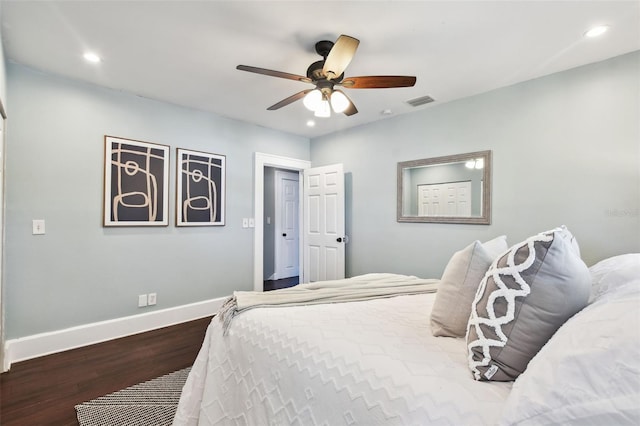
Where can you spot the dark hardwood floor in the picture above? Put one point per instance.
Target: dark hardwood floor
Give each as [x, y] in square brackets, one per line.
[44, 391]
[278, 284]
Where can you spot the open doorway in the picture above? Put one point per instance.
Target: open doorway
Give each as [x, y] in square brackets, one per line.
[321, 252]
[263, 161]
[281, 236]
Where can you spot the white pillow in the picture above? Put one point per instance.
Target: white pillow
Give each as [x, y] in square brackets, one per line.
[589, 371]
[458, 286]
[612, 272]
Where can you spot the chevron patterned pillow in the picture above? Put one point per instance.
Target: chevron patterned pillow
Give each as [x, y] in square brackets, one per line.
[524, 297]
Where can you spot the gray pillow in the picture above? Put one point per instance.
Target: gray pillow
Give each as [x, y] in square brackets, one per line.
[525, 296]
[458, 286]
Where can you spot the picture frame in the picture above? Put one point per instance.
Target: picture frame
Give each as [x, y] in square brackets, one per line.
[200, 188]
[136, 183]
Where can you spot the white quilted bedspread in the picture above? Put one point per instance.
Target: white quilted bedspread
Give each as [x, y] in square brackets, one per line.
[358, 363]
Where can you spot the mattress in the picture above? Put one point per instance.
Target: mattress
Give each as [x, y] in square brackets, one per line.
[357, 363]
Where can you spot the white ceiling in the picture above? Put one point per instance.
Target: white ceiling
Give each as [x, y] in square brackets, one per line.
[185, 52]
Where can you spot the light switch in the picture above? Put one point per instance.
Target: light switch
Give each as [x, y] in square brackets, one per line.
[38, 227]
[245, 222]
[142, 300]
[252, 223]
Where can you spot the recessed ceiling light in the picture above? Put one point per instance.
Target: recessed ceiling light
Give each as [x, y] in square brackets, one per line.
[386, 112]
[91, 57]
[596, 31]
[311, 123]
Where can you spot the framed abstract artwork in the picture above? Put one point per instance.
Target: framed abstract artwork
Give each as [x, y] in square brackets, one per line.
[136, 183]
[200, 188]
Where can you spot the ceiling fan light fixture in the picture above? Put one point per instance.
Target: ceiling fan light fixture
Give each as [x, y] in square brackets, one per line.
[313, 99]
[339, 101]
[324, 109]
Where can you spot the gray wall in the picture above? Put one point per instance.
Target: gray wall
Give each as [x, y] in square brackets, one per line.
[3, 71]
[565, 151]
[80, 272]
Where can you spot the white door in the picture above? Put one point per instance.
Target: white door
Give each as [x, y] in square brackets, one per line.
[287, 225]
[445, 199]
[324, 236]
[463, 199]
[428, 200]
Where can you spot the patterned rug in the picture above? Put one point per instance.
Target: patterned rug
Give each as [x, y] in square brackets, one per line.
[145, 404]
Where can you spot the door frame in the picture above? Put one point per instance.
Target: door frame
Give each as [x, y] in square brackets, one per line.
[262, 160]
[3, 151]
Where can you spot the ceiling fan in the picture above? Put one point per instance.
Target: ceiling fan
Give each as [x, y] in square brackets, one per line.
[329, 73]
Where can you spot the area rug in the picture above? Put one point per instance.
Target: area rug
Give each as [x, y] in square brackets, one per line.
[145, 404]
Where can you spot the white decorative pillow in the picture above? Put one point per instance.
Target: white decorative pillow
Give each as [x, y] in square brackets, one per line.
[458, 286]
[525, 296]
[588, 374]
[612, 272]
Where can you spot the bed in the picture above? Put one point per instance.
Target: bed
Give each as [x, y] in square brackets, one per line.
[386, 357]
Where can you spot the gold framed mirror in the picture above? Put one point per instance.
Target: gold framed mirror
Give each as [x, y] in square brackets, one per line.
[449, 189]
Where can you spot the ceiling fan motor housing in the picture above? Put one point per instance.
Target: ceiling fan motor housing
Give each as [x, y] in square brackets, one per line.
[315, 73]
[325, 86]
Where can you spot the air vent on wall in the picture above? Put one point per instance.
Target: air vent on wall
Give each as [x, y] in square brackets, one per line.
[420, 101]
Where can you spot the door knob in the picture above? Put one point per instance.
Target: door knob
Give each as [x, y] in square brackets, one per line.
[284, 234]
[339, 239]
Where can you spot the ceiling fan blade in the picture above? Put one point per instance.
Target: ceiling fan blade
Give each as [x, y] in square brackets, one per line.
[289, 100]
[378, 82]
[340, 56]
[273, 73]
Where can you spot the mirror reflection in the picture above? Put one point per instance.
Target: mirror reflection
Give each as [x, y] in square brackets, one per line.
[451, 189]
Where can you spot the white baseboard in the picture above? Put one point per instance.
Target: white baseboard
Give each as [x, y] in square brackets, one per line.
[38, 345]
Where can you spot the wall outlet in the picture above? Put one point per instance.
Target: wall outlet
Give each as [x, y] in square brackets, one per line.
[142, 300]
[151, 299]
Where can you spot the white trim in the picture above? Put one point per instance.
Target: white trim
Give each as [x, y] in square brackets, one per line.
[262, 160]
[38, 345]
[3, 191]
